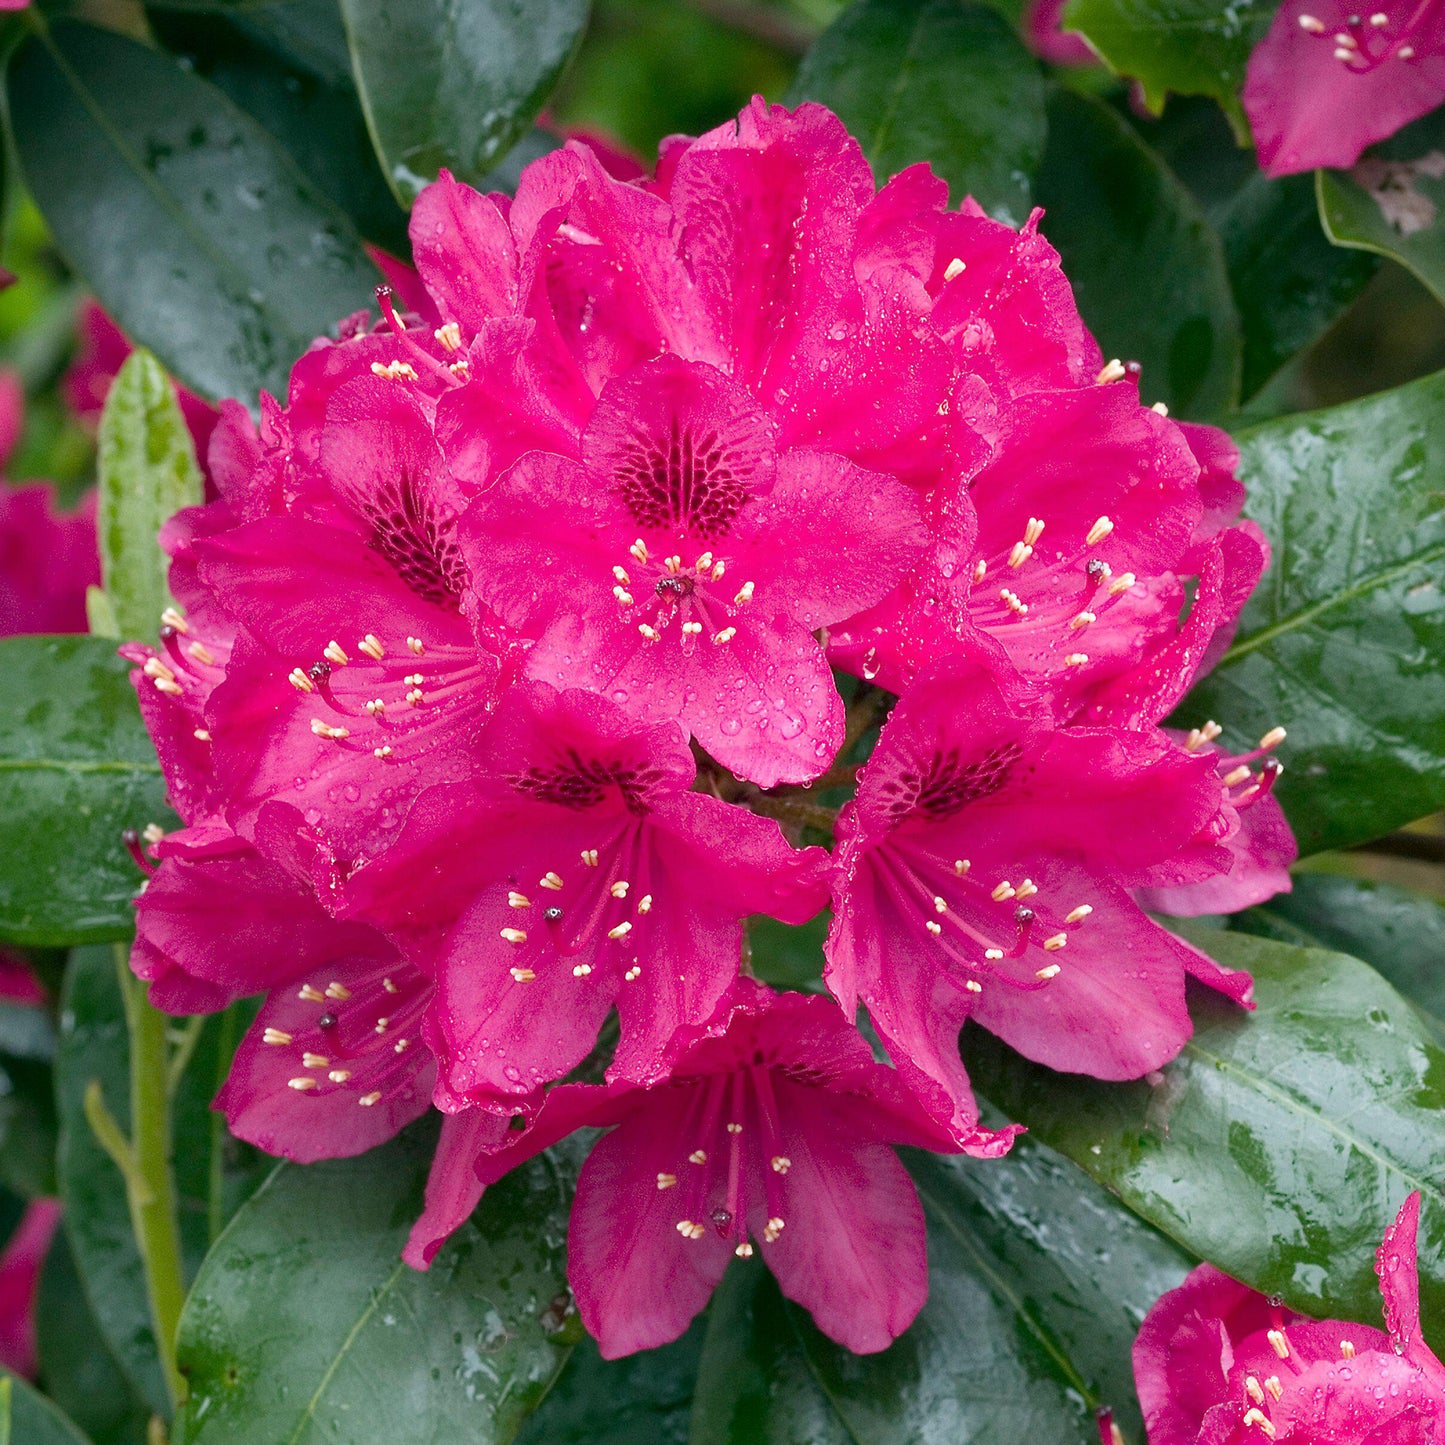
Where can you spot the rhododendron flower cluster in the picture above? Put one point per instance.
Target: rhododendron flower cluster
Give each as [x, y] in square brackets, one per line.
[536, 641]
[1218, 1364]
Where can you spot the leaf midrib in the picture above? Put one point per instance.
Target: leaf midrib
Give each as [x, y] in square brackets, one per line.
[79, 766]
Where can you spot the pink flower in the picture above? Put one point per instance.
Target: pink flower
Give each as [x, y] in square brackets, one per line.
[1330, 79]
[102, 351]
[984, 872]
[773, 1134]
[1217, 1364]
[20, 1266]
[47, 557]
[1043, 29]
[576, 873]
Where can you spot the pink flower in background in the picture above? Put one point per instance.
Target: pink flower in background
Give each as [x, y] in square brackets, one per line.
[984, 872]
[1331, 78]
[1043, 29]
[1218, 1364]
[20, 1265]
[773, 1137]
[47, 556]
[102, 350]
[581, 872]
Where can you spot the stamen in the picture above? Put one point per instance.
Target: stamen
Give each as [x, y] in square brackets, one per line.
[308, 994]
[744, 1250]
[1055, 942]
[1081, 620]
[513, 935]
[325, 730]
[450, 336]
[1027, 888]
[621, 931]
[276, 1036]
[371, 647]
[416, 645]
[1096, 534]
[301, 1084]
[338, 991]
[523, 975]
[581, 970]
[339, 1076]
[1273, 1388]
[1050, 971]
[299, 680]
[1312, 24]
[1121, 584]
[367, 1100]
[954, 269]
[1347, 1349]
[772, 1229]
[1002, 892]
[1033, 531]
[980, 571]
[639, 550]
[1020, 553]
[1111, 371]
[1076, 659]
[666, 1181]
[517, 900]
[171, 618]
[644, 904]
[552, 881]
[726, 635]
[334, 652]
[315, 1061]
[1257, 1417]
[619, 889]
[389, 986]
[589, 857]
[781, 1163]
[1278, 1343]
[1272, 739]
[744, 594]
[1252, 1387]
[698, 1156]
[1077, 915]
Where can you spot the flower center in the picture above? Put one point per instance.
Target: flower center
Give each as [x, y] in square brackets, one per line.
[681, 480]
[1367, 41]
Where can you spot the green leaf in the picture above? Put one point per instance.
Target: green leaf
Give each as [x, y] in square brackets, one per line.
[938, 81]
[454, 85]
[76, 769]
[1399, 933]
[1390, 202]
[196, 231]
[789, 957]
[27, 1127]
[642, 1399]
[288, 68]
[1341, 642]
[28, 1418]
[94, 1046]
[1278, 1145]
[1193, 47]
[304, 1325]
[77, 1368]
[147, 471]
[1147, 268]
[1037, 1282]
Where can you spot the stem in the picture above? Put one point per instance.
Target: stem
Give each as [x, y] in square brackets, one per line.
[216, 1178]
[150, 1187]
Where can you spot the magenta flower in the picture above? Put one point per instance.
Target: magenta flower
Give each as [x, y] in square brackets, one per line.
[20, 1265]
[984, 872]
[357, 676]
[1218, 1364]
[578, 872]
[1043, 29]
[773, 1134]
[1330, 79]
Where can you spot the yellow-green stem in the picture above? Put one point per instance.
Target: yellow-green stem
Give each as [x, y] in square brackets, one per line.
[151, 1187]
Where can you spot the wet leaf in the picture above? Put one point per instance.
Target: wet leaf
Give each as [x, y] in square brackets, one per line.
[473, 79]
[1390, 202]
[1341, 643]
[28, 1418]
[147, 472]
[1146, 266]
[1192, 47]
[76, 769]
[305, 1326]
[938, 81]
[196, 231]
[1279, 1144]
[1037, 1282]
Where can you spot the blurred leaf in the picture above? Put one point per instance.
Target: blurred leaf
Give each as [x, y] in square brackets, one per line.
[1342, 641]
[27, 1032]
[938, 81]
[788, 957]
[1289, 282]
[27, 1127]
[1146, 266]
[305, 1326]
[28, 1418]
[1278, 1145]
[94, 1045]
[1037, 1282]
[77, 1368]
[642, 1399]
[76, 769]
[287, 67]
[1390, 202]
[1399, 933]
[148, 472]
[196, 231]
[455, 85]
[1193, 47]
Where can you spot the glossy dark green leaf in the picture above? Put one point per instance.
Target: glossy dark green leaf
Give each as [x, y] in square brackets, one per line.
[76, 769]
[1279, 1144]
[642, 1399]
[1193, 47]
[147, 471]
[1399, 933]
[27, 1032]
[1038, 1280]
[287, 67]
[1390, 202]
[28, 1418]
[938, 81]
[305, 1326]
[789, 957]
[1342, 641]
[1147, 268]
[77, 1369]
[455, 85]
[198, 233]
[94, 1046]
[1289, 282]
[27, 1127]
